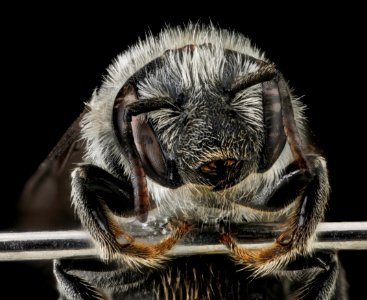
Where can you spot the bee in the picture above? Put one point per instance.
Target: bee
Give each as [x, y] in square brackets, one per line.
[196, 126]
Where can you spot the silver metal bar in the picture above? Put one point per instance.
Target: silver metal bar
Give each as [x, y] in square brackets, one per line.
[47, 245]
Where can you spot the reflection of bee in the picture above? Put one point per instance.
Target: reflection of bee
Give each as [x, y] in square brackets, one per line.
[195, 126]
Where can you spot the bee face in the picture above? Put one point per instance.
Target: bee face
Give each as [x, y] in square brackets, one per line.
[214, 136]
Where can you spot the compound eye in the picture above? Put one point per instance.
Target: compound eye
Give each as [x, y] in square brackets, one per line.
[275, 137]
[152, 158]
[149, 149]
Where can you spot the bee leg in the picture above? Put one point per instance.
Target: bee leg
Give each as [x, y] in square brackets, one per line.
[71, 286]
[94, 279]
[288, 188]
[96, 193]
[319, 276]
[97, 198]
[310, 189]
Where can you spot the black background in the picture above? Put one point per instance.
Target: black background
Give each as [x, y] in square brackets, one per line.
[53, 60]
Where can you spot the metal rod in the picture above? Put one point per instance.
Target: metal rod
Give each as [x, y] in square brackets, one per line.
[201, 240]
